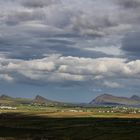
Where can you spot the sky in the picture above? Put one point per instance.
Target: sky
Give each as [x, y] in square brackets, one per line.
[69, 50]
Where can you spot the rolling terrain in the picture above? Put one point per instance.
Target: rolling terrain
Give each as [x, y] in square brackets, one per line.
[41, 118]
[102, 100]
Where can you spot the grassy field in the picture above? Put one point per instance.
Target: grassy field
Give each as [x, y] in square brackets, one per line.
[63, 124]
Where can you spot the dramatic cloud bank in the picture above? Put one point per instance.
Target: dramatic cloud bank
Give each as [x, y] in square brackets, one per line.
[57, 68]
[76, 42]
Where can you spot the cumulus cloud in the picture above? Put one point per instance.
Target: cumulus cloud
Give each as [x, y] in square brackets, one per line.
[58, 69]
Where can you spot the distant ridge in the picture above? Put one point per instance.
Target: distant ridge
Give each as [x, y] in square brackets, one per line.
[107, 99]
[102, 100]
[135, 97]
[7, 100]
[5, 97]
[40, 99]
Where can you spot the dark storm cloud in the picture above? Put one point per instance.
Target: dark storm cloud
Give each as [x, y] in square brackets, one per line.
[36, 22]
[67, 50]
[93, 25]
[23, 16]
[27, 48]
[38, 3]
[130, 3]
[131, 44]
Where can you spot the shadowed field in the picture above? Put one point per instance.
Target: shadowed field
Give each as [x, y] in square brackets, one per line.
[18, 126]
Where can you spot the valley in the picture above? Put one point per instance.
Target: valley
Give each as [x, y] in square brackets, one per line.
[41, 118]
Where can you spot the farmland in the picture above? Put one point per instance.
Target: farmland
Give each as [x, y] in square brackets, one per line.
[69, 123]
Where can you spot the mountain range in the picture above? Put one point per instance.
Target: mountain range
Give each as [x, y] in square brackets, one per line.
[7, 100]
[109, 100]
[102, 100]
